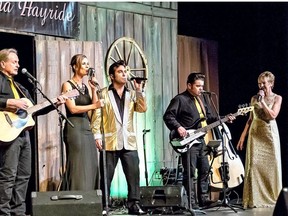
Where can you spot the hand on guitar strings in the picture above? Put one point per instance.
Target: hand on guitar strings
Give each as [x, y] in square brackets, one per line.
[231, 118]
[182, 131]
[16, 104]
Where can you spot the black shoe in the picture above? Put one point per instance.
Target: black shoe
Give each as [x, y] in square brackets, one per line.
[135, 209]
[195, 206]
[206, 203]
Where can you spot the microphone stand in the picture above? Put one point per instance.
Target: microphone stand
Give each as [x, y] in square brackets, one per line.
[106, 208]
[91, 73]
[144, 150]
[61, 117]
[63, 173]
[55, 107]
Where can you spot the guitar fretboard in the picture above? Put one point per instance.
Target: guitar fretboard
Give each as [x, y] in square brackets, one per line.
[215, 124]
[40, 106]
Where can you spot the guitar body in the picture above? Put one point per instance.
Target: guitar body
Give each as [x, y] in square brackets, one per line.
[182, 144]
[175, 140]
[236, 172]
[12, 124]
[235, 169]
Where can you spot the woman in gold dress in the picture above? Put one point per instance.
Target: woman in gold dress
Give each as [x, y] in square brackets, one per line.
[263, 175]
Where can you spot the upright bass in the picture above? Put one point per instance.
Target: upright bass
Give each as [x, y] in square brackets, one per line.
[233, 165]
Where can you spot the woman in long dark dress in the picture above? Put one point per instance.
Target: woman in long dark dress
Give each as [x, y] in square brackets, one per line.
[82, 157]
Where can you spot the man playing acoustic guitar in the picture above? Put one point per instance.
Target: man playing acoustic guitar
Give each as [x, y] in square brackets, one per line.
[188, 111]
[15, 155]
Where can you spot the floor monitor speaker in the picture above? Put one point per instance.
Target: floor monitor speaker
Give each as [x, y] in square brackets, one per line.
[281, 207]
[163, 196]
[67, 203]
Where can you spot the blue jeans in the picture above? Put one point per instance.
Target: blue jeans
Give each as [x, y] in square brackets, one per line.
[15, 171]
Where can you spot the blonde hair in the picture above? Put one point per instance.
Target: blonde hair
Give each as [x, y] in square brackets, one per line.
[4, 53]
[269, 75]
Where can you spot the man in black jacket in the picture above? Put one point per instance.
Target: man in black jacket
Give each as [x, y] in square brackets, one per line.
[15, 156]
[188, 111]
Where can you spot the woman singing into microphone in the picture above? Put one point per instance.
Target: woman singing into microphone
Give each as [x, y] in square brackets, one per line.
[81, 166]
[263, 173]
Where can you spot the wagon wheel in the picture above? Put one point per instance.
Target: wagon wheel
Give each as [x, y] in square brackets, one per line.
[128, 50]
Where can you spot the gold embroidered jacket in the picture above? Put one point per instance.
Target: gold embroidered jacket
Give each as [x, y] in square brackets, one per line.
[117, 134]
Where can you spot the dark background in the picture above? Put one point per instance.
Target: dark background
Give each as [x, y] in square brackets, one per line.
[252, 38]
[25, 46]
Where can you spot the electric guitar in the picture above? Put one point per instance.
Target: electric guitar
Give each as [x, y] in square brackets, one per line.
[12, 124]
[182, 144]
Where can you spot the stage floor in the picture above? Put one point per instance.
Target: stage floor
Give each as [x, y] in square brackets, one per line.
[249, 212]
[214, 212]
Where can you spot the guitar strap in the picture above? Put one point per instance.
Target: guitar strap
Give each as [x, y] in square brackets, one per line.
[19, 89]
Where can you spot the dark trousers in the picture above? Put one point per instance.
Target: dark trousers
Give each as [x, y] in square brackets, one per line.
[198, 160]
[130, 165]
[15, 171]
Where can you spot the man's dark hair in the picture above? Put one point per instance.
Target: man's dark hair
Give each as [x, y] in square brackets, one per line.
[116, 65]
[195, 76]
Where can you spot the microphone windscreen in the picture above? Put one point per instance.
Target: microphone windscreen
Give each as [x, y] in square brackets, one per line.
[24, 70]
[91, 72]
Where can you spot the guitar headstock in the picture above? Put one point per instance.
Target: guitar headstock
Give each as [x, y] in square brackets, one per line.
[72, 93]
[244, 109]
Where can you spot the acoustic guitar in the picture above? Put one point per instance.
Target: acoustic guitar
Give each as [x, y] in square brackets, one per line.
[12, 124]
[182, 144]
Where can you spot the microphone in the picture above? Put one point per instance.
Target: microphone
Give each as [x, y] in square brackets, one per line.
[207, 92]
[91, 74]
[138, 79]
[259, 96]
[25, 72]
[146, 130]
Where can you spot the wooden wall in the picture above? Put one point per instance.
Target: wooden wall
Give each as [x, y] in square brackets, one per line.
[154, 27]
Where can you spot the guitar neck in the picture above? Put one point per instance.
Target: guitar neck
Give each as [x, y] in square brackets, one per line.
[40, 106]
[215, 124]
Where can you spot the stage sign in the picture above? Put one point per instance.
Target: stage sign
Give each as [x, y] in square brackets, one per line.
[49, 18]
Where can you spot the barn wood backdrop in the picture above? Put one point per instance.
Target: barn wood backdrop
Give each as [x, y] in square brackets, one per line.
[154, 27]
[170, 58]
